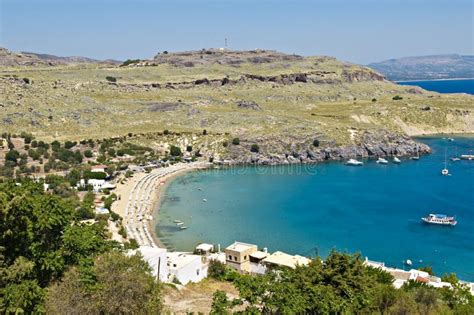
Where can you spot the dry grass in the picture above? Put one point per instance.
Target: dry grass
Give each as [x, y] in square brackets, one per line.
[77, 102]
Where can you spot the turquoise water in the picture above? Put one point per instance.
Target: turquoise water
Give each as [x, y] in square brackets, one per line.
[445, 86]
[374, 209]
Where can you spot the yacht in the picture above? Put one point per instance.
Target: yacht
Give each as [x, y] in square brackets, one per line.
[469, 157]
[396, 160]
[354, 162]
[382, 161]
[440, 219]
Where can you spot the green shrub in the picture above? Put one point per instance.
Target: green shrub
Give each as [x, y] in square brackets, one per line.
[397, 98]
[255, 148]
[111, 79]
[88, 153]
[236, 141]
[316, 142]
[175, 151]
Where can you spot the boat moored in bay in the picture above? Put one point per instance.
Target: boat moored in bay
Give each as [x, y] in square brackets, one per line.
[354, 162]
[440, 219]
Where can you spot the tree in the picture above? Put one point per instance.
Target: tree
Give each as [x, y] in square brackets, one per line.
[189, 148]
[220, 303]
[70, 144]
[236, 141]
[12, 156]
[204, 132]
[88, 153]
[116, 284]
[175, 151]
[397, 98]
[316, 143]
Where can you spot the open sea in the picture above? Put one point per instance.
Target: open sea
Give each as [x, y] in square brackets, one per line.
[308, 210]
[445, 86]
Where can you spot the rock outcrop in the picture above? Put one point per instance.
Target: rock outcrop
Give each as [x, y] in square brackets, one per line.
[371, 145]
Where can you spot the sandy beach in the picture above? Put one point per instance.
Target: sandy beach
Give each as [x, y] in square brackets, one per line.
[139, 198]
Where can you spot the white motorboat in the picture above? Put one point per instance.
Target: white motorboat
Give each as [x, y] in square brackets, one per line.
[469, 157]
[382, 161]
[396, 160]
[445, 170]
[354, 162]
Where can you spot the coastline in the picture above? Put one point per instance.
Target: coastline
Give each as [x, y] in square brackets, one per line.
[160, 178]
[139, 200]
[424, 80]
[157, 198]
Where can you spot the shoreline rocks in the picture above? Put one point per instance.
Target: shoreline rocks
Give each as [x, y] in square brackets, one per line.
[372, 146]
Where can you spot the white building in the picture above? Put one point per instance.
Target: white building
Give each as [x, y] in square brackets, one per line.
[156, 259]
[185, 267]
[98, 168]
[285, 260]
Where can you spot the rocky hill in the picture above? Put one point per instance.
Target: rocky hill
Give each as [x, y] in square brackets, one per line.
[292, 108]
[427, 67]
[13, 59]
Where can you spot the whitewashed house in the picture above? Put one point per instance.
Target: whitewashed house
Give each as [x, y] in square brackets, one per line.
[156, 259]
[98, 168]
[185, 267]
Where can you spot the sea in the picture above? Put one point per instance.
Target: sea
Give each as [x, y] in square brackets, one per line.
[374, 210]
[444, 86]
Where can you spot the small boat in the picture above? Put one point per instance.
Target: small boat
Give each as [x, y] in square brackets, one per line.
[408, 262]
[205, 200]
[455, 159]
[354, 162]
[183, 227]
[382, 161]
[396, 160]
[469, 157]
[445, 171]
[450, 139]
[178, 221]
[415, 158]
[439, 219]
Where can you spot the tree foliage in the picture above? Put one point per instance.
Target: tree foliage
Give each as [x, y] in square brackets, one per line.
[113, 284]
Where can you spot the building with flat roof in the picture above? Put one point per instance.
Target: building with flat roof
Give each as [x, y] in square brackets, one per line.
[186, 267]
[238, 256]
[285, 260]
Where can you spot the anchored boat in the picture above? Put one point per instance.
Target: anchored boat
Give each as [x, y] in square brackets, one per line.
[440, 219]
[382, 161]
[354, 162]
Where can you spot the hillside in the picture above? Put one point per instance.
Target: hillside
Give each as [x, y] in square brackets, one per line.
[282, 102]
[29, 59]
[427, 67]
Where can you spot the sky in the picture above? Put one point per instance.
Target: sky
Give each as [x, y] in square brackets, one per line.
[359, 31]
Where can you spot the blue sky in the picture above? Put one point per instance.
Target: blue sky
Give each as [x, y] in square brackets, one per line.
[359, 31]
